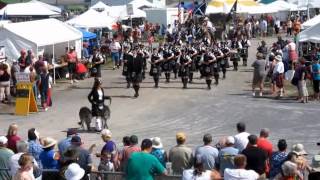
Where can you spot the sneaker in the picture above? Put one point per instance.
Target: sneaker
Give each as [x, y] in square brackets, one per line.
[75, 81]
[253, 94]
[71, 81]
[46, 109]
[260, 94]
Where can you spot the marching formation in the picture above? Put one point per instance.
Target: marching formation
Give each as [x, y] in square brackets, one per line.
[182, 55]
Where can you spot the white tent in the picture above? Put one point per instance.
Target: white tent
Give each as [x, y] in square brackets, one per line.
[141, 4]
[49, 35]
[120, 13]
[311, 22]
[310, 35]
[100, 6]
[92, 19]
[27, 9]
[48, 6]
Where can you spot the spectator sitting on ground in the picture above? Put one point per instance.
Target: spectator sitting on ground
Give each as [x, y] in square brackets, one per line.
[26, 164]
[278, 158]
[35, 148]
[158, 151]
[208, 153]
[49, 158]
[300, 159]
[5, 155]
[22, 148]
[240, 173]
[289, 171]
[64, 144]
[241, 139]
[226, 155]
[198, 172]
[143, 165]
[256, 157]
[180, 156]
[69, 156]
[12, 137]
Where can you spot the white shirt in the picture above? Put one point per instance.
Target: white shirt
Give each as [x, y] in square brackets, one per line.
[292, 46]
[241, 141]
[240, 174]
[14, 165]
[100, 94]
[115, 47]
[278, 23]
[278, 68]
[188, 175]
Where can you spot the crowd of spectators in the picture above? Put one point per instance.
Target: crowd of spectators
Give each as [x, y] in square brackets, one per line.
[238, 157]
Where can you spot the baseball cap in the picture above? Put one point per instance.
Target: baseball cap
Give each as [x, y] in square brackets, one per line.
[71, 131]
[76, 140]
[230, 140]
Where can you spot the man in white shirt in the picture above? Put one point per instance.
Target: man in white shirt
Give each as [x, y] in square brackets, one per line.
[115, 48]
[241, 139]
[278, 74]
[240, 173]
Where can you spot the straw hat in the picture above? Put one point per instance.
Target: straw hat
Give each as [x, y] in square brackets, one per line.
[156, 143]
[278, 58]
[48, 142]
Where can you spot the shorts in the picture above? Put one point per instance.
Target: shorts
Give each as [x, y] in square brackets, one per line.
[316, 84]
[115, 56]
[72, 67]
[302, 87]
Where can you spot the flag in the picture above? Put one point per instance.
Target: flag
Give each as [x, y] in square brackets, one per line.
[180, 6]
[200, 9]
[233, 10]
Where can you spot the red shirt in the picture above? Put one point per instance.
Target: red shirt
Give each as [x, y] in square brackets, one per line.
[72, 57]
[12, 142]
[266, 145]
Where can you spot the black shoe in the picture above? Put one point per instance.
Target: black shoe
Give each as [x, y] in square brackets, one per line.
[209, 87]
[128, 85]
[80, 123]
[136, 95]
[224, 76]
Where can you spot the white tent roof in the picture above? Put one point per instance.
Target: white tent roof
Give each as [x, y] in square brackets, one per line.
[120, 13]
[311, 34]
[141, 3]
[27, 9]
[92, 19]
[311, 22]
[44, 32]
[100, 5]
[48, 6]
[281, 5]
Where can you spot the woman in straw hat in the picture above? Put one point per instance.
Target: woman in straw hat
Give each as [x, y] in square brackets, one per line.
[259, 73]
[49, 158]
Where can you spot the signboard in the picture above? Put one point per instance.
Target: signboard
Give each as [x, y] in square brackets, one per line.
[25, 100]
[130, 9]
[2, 52]
[22, 77]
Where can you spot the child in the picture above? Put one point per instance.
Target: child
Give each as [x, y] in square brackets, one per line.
[26, 165]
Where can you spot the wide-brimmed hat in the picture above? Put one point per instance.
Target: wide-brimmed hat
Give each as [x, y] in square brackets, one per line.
[156, 143]
[299, 149]
[3, 140]
[48, 142]
[316, 163]
[278, 58]
[74, 172]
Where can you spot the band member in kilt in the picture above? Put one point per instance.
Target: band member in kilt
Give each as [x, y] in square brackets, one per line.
[174, 62]
[96, 60]
[224, 63]
[216, 63]
[184, 62]
[207, 69]
[127, 56]
[245, 43]
[155, 69]
[192, 52]
[235, 56]
[167, 65]
[145, 57]
[135, 68]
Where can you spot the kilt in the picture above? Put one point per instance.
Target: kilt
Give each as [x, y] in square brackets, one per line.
[155, 71]
[167, 66]
[135, 77]
[184, 71]
[279, 80]
[207, 70]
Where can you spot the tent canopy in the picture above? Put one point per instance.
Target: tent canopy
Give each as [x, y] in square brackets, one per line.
[27, 9]
[87, 34]
[311, 22]
[310, 35]
[48, 6]
[51, 35]
[92, 19]
[100, 6]
[224, 6]
[141, 4]
[120, 13]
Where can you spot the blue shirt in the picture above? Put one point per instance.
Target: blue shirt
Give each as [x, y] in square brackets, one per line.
[64, 144]
[160, 155]
[35, 149]
[48, 161]
[225, 158]
[276, 160]
[315, 69]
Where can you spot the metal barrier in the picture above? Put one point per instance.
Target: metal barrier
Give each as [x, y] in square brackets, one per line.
[52, 174]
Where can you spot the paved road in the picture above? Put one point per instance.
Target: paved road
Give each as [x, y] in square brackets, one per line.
[163, 112]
